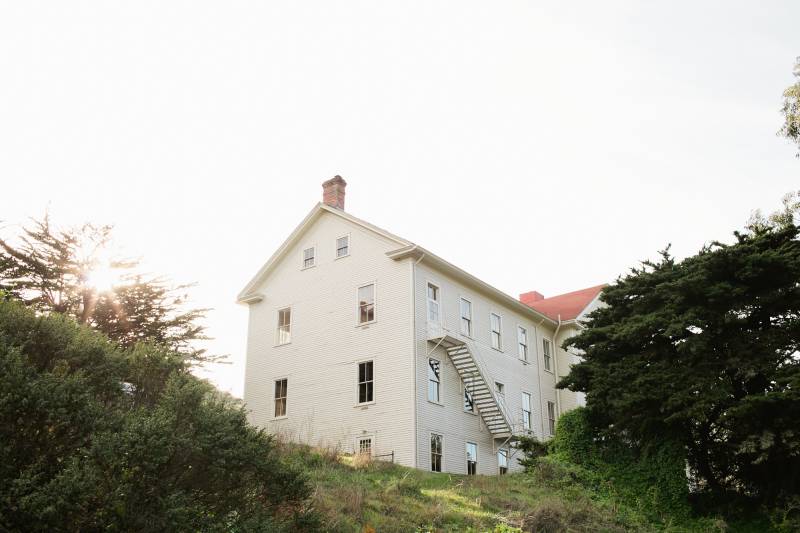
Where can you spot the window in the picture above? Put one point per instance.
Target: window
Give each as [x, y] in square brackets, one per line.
[546, 352]
[433, 303]
[343, 246]
[522, 340]
[434, 380]
[472, 458]
[526, 411]
[436, 452]
[308, 257]
[551, 417]
[366, 304]
[284, 325]
[502, 460]
[496, 337]
[469, 402]
[365, 382]
[500, 389]
[365, 446]
[466, 317]
[280, 397]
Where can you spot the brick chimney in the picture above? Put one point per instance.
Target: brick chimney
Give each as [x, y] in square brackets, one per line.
[333, 192]
[529, 297]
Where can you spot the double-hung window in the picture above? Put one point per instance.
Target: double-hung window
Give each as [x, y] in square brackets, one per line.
[522, 341]
[466, 317]
[526, 411]
[434, 380]
[284, 333]
[472, 458]
[497, 339]
[280, 397]
[551, 417]
[433, 303]
[546, 354]
[469, 401]
[365, 382]
[502, 460]
[343, 246]
[366, 304]
[436, 452]
[309, 257]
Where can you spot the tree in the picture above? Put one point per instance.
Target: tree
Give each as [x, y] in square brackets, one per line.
[705, 352]
[94, 437]
[72, 272]
[791, 110]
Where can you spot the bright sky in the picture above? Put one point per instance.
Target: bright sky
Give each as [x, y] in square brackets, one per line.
[545, 146]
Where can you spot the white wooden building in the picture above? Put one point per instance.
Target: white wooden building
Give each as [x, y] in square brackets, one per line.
[364, 341]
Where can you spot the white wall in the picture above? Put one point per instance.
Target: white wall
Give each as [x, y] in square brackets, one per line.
[449, 418]
[321, 360]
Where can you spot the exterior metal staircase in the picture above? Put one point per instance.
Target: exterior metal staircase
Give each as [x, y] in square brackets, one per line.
[490, 406]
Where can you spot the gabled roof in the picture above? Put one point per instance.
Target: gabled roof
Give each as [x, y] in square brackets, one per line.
[567, 306]
[248, 296]
[406, 249]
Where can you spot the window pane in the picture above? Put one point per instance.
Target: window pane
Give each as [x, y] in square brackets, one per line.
[342, 246]
[469, 403]
[434, 371]
[366, 303]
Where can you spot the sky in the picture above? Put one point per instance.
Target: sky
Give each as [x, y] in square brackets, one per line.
[542, 146]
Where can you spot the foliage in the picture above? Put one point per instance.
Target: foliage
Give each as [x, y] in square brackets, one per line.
[530, 448]
[791, 110]
[96, 437]
[71, 272]
[704, 353]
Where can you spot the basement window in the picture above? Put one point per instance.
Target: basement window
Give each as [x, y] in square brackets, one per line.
[365, 446]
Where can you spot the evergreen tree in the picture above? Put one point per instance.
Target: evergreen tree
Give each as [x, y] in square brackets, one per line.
[705, 352]
[72, 272]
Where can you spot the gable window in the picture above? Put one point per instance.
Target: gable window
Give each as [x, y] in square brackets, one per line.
[280, 397]
[365, 382]
[365, 446]
[496, 335]
[309, 256]
[472, 458]
[526, 411]
[546, 354]
[502, 460]
[343, 246]
[522, 341]
[551, 417]
[366, 304]
[469, 402]
[434, 380]
[466, 317]
[436, 452]
[433, 303]
[284, 333]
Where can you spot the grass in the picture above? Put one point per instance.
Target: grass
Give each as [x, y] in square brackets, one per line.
[354, 495]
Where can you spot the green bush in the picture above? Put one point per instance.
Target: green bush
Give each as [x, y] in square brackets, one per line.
[95, 438]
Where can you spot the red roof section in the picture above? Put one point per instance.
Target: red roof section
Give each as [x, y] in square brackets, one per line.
[568, 305]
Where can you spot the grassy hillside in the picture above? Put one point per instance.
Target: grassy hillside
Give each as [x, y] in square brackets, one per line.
[363, 496]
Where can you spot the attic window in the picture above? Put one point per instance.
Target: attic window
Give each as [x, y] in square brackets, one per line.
[309, 256]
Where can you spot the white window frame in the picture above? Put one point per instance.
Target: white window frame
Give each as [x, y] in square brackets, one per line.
[473, 411]
[430, 452]
[522, 348]
[278, 340]
[357, 445]
[437, 303]
[313, 249]
[547, 355]
[504, 453]
[374, 304]
[551, 417]
[527, 414]
[466, 457]
[499, 331]
[285, 399]
[471, 325]
[336, 247]
[358, 382]
[439, 385]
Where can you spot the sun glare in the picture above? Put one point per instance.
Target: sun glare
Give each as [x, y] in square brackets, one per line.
[103, 278]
